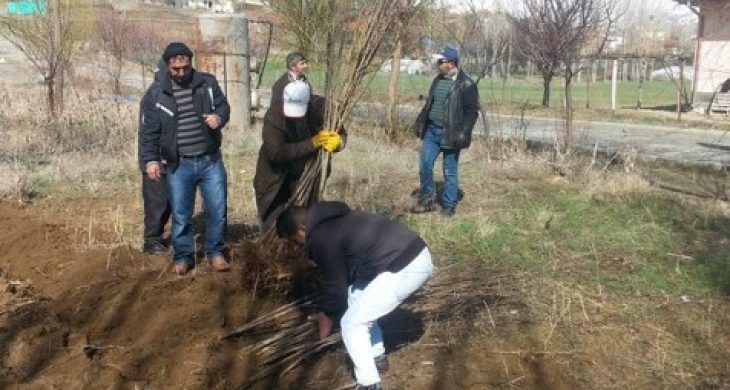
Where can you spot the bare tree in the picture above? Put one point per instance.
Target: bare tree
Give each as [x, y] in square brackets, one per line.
[485, 40]
[400, 38]
[556, 35]
[116, 39]
[307, 23]
[47, 39]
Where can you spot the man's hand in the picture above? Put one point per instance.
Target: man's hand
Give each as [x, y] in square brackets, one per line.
[212, 120]
[153, 170]
[320, 139]
[324, 322]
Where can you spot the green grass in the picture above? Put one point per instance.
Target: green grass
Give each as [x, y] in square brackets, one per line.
[625, 246]
[517, 90]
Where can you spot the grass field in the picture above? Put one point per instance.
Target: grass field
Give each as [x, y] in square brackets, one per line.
[517, 90]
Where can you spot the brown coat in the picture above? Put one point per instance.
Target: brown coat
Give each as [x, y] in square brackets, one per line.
[287, 145]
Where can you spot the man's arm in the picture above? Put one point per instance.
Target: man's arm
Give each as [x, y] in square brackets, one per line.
[279, 150]
[331, 262]
[222, 109]
[471, 106]
[150, 130]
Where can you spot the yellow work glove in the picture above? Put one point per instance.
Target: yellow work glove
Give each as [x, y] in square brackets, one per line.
[333, 142]
[320, 139]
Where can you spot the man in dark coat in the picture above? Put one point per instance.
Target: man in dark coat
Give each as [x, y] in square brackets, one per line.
[292, 134]
[445, 125]
[181, 126]
[370, 265]
[156, 204]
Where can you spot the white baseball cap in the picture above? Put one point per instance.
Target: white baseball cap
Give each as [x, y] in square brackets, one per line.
[296, 99]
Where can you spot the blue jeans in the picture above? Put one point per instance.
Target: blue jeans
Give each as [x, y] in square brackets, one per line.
[430, 150]
[208, 173]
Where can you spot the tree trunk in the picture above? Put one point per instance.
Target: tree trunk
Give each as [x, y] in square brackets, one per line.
[568, 113]
[509, 61]
[60, 84]
[392, 109]
[51, 95]
[117, 73]
[546, 79]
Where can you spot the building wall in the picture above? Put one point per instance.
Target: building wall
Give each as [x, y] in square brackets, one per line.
[713, 66]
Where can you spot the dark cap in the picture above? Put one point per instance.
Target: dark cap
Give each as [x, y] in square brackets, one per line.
[293, 58]
[451, 54]
[176, 49]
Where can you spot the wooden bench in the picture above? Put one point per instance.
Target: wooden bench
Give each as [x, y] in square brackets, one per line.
[721, 102]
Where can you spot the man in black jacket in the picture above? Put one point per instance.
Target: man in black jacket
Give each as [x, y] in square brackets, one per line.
[370, 265]
[154, 192]
[445, 125]
[182, 120]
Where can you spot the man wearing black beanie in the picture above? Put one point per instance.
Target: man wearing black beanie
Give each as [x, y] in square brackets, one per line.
[182, 118]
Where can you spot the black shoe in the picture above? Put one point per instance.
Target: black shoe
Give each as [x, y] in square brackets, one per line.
[154, 247]
[381, 363]
[448, 211]
[423, 206]
[374, 386]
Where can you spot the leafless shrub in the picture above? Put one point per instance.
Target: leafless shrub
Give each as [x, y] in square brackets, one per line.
[48, 39]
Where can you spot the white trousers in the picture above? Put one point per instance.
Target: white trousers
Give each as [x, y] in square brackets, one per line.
[360, 331]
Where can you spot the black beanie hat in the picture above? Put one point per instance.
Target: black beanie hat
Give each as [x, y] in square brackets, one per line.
[176, 49]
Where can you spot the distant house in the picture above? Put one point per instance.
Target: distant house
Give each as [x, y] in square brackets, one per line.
[712, 54]
[407, 65]
[226, 6]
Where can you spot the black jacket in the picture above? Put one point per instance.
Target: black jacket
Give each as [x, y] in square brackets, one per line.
[159, 117]
[353, 246]
[461, 113]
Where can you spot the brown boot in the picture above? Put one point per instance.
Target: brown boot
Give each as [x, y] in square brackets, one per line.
[219, 264]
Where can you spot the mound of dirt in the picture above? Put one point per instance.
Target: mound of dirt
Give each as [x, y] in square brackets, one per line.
[111, 317]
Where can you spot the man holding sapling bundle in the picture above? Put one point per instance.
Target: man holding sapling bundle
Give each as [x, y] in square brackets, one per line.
[370, 266]
[292, 135]
[445, 125]
[182, 120]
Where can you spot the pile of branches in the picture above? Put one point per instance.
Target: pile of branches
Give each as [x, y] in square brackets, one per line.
[284, 338]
